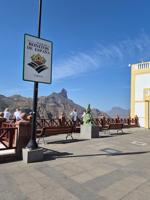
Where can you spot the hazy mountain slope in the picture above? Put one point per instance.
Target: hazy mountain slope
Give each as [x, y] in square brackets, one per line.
[118, 111]
[51, 105]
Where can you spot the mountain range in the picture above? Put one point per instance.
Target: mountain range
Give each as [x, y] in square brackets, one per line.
[52, 105]
[121, 112]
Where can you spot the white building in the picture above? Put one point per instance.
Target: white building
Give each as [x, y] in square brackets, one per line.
[140, 92]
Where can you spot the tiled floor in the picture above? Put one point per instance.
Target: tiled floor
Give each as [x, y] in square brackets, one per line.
[106, 168]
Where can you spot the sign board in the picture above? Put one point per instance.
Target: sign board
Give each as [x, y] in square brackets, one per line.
[37, 64]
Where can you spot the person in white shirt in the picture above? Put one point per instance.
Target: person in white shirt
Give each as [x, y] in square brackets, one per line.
[17, 114]
[74, 117]
[84, 112]
[7, 114]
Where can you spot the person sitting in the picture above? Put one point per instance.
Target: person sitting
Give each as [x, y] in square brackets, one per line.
[7, 114]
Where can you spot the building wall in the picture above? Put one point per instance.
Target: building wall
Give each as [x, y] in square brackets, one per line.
[140, 92]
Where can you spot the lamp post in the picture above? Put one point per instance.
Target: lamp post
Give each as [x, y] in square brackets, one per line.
[32, 144]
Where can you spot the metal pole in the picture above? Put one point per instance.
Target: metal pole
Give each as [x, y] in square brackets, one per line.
[32, 143]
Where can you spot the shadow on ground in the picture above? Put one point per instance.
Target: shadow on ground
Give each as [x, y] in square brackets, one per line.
[65, 141]
[112, 134]
[8, 158]
[50, 154]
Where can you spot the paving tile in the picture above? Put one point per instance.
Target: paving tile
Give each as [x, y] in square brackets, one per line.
[6, 183]
[121, 161]
[22, 178]
[73, 187]
[106, 180]
[38, 195]
[82, 177]
[117, 190]
[27, 187]
[57, 176]
[9, 189]
[87, 174]
[12, 196]
[36, 174]
[97, 172]
[62, 194]
[84, 194]
[72, 169]
[141, 192]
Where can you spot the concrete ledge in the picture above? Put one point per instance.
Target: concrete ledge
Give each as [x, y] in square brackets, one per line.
[89, 131]
[34, 155]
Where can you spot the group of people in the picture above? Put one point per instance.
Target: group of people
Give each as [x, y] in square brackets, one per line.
[73, 116]
[17, 115]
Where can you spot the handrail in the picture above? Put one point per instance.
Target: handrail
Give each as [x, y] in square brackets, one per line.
[8, 138]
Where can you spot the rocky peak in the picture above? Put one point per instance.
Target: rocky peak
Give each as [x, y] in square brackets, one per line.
[48, 106]
[63, 93]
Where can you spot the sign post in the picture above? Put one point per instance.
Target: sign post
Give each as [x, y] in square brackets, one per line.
[37, 68]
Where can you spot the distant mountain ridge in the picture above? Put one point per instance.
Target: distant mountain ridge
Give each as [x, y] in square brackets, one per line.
[123, 113]
[48, 106]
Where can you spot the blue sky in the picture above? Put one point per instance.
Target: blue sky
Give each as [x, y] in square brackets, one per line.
[94, 41]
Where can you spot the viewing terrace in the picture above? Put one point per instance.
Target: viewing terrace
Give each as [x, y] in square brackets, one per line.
[107, 168]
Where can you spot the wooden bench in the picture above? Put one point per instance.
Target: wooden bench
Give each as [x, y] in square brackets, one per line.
[49, 131]
[114, 126]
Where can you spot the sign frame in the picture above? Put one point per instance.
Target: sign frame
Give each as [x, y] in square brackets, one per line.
[50, 60]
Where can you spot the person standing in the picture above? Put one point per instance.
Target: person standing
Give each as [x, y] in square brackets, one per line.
[74, 117]
[7, 114]
[17, 114]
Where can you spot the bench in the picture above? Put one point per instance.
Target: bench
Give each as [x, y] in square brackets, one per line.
[49, 131]
[114, 126]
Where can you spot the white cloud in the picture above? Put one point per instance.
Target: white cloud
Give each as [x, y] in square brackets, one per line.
[123, 52]
[74, 64]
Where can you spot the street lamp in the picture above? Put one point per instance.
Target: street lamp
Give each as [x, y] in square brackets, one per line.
[32, 144]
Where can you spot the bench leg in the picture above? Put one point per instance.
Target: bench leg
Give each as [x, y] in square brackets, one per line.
[119, 130]
[69, 134]
[38, 140]
[43, 140]
[106, 131]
